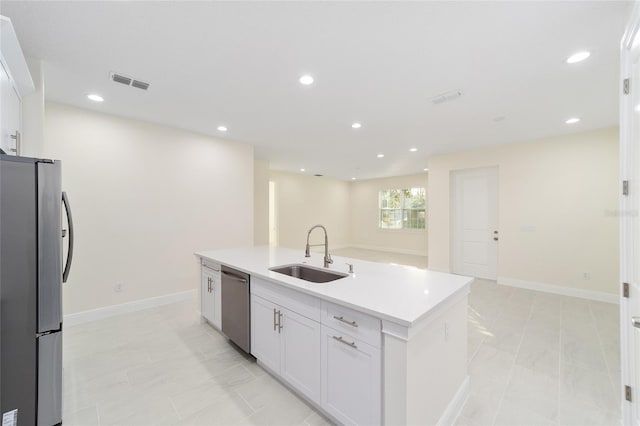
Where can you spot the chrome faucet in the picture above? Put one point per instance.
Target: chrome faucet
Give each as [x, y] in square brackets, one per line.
[327, 256]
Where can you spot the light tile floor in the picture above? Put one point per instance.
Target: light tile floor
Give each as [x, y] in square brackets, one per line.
[534, 359]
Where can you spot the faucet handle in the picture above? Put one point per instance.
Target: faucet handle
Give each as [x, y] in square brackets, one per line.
[350, 267]
[329, 259]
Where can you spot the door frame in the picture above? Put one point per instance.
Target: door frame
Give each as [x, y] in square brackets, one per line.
[628, 259]
[453, 212]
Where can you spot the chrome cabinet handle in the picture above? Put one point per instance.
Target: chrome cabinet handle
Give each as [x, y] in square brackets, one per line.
[351, 323]
[274, 319]
[635, 321]
[280, 327]
[341, 340]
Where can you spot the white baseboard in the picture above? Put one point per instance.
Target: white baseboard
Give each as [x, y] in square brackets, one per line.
[564, 291]
[454, 408]
[390, 250]
[124, 308]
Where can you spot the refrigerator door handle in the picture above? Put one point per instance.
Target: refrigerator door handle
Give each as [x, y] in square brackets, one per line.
[67, 209]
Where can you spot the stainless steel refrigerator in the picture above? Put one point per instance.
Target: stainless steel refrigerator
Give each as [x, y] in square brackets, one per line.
[31, 276]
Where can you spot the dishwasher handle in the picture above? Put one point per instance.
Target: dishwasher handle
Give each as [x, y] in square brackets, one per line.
[233, 277]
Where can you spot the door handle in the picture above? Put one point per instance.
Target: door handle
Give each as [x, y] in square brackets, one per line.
[67, 266]
[635, 321]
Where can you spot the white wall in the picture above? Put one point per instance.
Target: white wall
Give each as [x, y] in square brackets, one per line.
[144, 198]
[558, 199]
[364, 206]
[304, 201]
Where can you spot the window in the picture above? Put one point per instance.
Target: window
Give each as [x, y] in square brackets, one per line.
[402, 208]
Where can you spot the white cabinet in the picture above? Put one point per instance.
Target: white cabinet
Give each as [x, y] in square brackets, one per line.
[351, 365]
[300, 353]
[265, 340]
[210, 298]
[288, 344]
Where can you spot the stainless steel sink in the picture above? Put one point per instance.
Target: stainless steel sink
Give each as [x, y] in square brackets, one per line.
[308, 273]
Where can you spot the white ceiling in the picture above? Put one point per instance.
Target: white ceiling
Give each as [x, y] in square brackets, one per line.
[379, 63]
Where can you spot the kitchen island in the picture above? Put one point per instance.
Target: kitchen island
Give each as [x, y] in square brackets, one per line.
[386, 344]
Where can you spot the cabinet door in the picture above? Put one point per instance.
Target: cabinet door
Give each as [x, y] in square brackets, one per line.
[300, 353]
[265, 340]
[206, 295]
[351, 379]
[217, 301]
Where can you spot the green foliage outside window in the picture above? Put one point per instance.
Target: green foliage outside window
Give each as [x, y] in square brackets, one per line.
[402, 208]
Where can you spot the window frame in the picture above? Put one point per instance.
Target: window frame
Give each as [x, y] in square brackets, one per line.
[402, 209]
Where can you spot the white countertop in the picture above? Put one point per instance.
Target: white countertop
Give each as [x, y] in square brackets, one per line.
[400, 294]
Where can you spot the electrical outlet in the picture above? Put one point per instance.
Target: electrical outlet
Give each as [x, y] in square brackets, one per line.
[446, 331]
[586, 276]
[118, 287]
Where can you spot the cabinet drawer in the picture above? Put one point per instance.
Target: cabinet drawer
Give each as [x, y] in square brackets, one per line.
[303, 304]
[211, 265]
[356, 324]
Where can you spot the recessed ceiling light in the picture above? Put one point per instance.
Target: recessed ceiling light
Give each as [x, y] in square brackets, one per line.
[353, 178]
[637, 108]
[413, 149]
[302, 170]
[426, 169]
[380, 155]
[95, 98]
[578, 57]
[356, 125]
[222, 128]
[573, 120]
[306, 80]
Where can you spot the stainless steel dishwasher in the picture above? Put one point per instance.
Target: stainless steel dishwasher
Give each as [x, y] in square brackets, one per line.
[236, 307]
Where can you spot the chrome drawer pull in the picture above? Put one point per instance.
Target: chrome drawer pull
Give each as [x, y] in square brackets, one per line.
[341, 340]
[274, 319]
[351, 323]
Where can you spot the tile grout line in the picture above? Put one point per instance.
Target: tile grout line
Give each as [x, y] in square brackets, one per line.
[495, 416]
[598, 334]
[561, 333]
[246, 402]
[175, 409]
[604, 357]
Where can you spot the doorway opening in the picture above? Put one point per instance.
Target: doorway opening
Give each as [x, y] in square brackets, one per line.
[273, 215]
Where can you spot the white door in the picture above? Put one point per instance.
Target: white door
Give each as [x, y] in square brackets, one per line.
[629, 223]
[474, 219]
[265, 340]
[10, 114]
[300, 353]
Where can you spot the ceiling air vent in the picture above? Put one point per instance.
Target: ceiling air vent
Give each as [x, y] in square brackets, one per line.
[140, 84]
[446, 96]
[119, 78]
